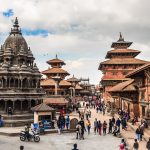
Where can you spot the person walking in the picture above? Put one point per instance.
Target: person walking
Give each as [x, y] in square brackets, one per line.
[138, 133]
[142, 131]
[113, 121]
[88, 125]
[95, 126]
[124, 124]
[97, 108]
[118, 122]
[99, 127]
[81, 122]
[135, 145]
[78, 131]
[148, 144]
[104, 128]
[110, 126]
[67, 122]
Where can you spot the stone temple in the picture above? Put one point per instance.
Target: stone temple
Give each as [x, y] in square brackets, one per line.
[19, 79]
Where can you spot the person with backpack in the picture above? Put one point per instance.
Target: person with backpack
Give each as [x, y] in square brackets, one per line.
[122, 145]
[138, 133]
[78, 131]
[135, 145]
[88, 125]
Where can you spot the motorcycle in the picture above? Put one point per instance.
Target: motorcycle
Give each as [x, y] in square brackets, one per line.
[33, 135]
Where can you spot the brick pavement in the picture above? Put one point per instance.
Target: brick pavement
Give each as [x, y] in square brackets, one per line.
[128, 135]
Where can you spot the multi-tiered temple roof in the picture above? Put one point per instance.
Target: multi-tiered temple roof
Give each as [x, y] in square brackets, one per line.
[55, 71]
[121, 54]
[120, 61]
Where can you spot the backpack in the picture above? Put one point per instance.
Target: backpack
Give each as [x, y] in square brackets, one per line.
[122, 146]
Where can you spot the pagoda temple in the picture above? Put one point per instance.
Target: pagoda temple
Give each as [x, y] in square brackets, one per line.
[55, 72]
[120, 61]
[19, 79]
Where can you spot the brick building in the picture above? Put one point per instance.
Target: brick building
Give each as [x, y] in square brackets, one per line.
[120, 61]
[134, 95]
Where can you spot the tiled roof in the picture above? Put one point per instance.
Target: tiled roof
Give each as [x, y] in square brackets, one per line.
[147, 65]
[124, 61]
[123, 86]
[64, 83]
[55, 70]
[136, 52]
[48, 82]
[73, 79]
[123, 51]
[78, 87]
[42, 107]
[55, 61]
[117, 78]
[55, 101]
[51, 82]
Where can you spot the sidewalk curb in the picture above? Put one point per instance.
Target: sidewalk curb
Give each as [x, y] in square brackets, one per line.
[46, 132]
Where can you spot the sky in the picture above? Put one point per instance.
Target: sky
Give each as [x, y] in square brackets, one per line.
[80, 32]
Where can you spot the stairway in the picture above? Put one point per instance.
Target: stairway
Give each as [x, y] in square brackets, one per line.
[18, 120]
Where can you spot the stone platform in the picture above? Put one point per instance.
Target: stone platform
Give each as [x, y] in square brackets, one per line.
[14, 131]
[17, 120]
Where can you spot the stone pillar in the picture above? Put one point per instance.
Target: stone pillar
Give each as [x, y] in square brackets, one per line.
[29, 104]
[121, 103]
[21, 106]
[8, 80]
[74, 92]
[71, 92]
[21, 84]
[2, 83]
[114, 102]
[5, 106]
[13, 106]
[56, 88]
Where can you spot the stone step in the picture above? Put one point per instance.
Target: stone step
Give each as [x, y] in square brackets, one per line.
[17, 123]
[17, 117]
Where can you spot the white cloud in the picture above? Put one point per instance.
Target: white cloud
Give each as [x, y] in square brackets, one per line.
[83, 29]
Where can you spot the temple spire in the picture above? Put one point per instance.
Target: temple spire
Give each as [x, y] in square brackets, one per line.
[56, 56]
[121, 43]
[15, 29]
[16, 24]
[120, 37]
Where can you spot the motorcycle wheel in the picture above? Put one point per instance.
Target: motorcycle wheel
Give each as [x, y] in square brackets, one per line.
[36, 139]
[22, 138]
